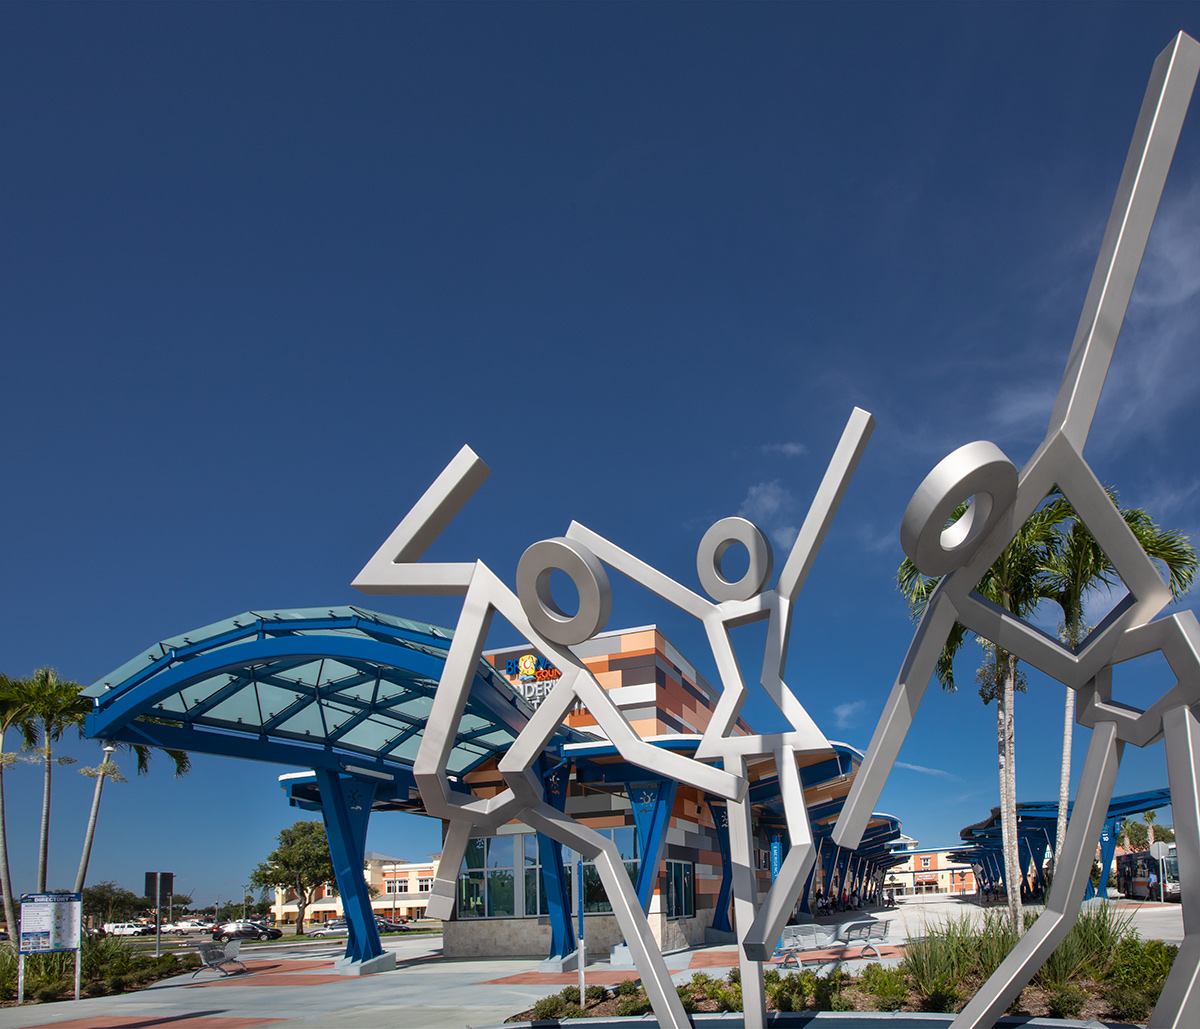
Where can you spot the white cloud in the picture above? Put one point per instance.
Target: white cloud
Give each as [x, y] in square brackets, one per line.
[770, 505]
[786, 449]
[846, 715]
[766, 501]
[928, 771]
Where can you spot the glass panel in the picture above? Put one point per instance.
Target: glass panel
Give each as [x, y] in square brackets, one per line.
[688, 905]
[336, 715]
[500, 893]
[476, 849]
[531, 848]
[470, 895]
[631, 869]
[370, 735]
[306, 721]
[500, 852]
[407, 749]
[241, 707]
[625, 837]
[533, 892]
[594, 897]
[273, 701]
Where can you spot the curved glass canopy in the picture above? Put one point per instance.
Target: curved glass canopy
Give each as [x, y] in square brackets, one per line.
[316, 687]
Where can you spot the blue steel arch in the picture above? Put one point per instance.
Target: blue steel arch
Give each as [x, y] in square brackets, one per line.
[342, 691]
[310, 688]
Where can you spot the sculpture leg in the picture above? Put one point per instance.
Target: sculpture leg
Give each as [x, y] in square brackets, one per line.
[1179, 1004]
[758, 942]
[656, 978]
[1066, 894]
[745, 906]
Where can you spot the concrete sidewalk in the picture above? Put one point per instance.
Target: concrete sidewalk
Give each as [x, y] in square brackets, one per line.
[294, 986]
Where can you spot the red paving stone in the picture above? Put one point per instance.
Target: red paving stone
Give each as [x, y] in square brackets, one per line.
[714, 959]
[166, 1022]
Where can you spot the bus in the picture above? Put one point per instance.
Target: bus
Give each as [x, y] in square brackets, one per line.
[1133, 875]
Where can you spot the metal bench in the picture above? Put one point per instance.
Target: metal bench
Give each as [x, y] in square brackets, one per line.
[799, 938]
[864, 934]
[217, 958]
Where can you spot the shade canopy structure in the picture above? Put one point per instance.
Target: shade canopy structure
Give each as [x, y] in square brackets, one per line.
[340, 688]
[342, 691]
[1036, 825]
[344, 694]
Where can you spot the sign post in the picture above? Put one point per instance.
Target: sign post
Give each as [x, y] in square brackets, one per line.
[157, 884]
[582, 947]
[1158, 851]
[50, 923]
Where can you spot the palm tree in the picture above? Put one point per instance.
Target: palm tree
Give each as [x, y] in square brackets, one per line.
[107, 769]
[54, 706]
[1078, 566]
[1017, 583]
[1149, 816]
[13, 715]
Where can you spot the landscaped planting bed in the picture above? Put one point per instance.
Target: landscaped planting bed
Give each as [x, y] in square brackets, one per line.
[1102, 970]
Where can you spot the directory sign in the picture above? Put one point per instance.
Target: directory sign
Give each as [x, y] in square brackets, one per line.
[50, 922]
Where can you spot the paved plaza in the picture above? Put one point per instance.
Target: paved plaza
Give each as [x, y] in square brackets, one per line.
[294, 985]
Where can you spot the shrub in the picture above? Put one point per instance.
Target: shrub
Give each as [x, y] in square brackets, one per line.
[595, 993]
[633, 1005]
[548, 1007]
[49, 992]
[735, 975]
[686, 998]
[570, 994]
[886, 985]
[627, 988]
[771, 977]
[1141, 966]
[940, 995]
[1066, 1001]
[1128, 1005]
[827, 990]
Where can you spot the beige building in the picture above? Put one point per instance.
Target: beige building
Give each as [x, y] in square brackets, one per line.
[930, 871]
[399, 889]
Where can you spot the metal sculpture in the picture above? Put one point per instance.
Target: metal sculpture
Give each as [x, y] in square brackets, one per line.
[1001, 501]
[533, 612]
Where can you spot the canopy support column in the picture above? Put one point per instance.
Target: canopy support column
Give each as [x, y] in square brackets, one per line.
[346, 807]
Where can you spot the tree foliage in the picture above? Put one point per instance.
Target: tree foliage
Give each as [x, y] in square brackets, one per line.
[300, 864]
[108, 902]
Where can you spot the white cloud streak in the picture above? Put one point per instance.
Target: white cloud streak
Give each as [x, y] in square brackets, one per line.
[846, 715]
[928, 771]
[785, 449]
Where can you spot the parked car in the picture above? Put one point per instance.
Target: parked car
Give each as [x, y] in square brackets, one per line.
[384, 925]
[184, 927]
[123, 928]
[334, 927]
[244, 930]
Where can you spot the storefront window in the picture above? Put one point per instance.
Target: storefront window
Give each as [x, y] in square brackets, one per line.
[486, 882]
[680, 892]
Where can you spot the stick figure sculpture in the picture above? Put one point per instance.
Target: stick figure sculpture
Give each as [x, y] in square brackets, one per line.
[1003, 501]
[532, 611]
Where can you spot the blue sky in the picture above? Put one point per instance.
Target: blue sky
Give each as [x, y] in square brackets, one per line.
[269, 266]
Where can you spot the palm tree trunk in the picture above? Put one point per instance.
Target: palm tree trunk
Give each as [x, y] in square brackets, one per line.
[44, 849]
[10, 910]
[91, 827]
[1064, 776]
[1012, 863]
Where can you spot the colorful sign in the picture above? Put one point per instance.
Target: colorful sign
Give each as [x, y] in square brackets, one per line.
[50, 922]
[532, 676]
